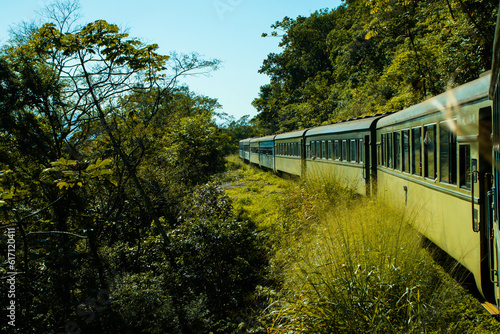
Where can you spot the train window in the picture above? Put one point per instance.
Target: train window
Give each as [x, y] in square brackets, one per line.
[382, 148]
[430, 151]
[379, 159]
[416, 153]
[361, 150]
[448, 155]
[353, 150]
[330, 150]
[397, 150]
[405, 137]
[465, 170]
[323, 150]
[344, 151]
[389, 150]
[337, 150]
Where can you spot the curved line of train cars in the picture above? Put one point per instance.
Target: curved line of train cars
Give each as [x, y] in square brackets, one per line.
[437, 158]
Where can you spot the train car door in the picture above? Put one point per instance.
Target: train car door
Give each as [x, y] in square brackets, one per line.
[482, 222]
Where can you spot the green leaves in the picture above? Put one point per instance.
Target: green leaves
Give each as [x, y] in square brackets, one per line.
[70, 173]
[369, 57]
[5, 193]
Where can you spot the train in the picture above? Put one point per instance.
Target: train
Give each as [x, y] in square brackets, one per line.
[440, 159]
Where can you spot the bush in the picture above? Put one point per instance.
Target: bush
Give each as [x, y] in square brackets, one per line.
[220, 262]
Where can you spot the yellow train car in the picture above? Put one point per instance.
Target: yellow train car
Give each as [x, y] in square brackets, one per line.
[244, 150]
[342, 151]
[289, 149]
[434, 158]
[254, 151]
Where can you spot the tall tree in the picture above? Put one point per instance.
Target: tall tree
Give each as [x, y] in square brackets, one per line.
[66, 92]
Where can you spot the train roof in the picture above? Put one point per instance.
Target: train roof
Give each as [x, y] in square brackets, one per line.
[357, 124]
[261, 139]
[466, 93]
[292, 134]
[246, 141]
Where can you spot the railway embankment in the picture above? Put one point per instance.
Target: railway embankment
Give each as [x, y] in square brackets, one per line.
[340, 262]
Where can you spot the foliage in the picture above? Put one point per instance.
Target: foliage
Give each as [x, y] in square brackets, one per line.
[236, 130]
[208, 286]
[98, 148]
[372, 57]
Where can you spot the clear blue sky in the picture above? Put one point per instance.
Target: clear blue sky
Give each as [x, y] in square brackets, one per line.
[229, 30]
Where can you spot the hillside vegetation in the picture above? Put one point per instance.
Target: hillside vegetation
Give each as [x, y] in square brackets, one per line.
[344, 263]
[368, 57]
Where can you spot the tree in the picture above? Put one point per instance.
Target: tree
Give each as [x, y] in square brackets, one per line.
[67, 107]
[372, 57]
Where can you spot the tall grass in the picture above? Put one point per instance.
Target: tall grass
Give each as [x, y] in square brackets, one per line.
[353, 265]
[345, 263]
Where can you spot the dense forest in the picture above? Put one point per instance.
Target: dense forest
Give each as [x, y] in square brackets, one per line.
[108, 168]
[369, 57]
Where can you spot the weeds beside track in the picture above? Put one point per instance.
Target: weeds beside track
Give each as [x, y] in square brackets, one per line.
[349, 264]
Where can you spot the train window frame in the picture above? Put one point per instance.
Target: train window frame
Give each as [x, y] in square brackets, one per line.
[383, 149]
[416, 169]
[427, 140]
[465, 166]
[329, 150]
[337, 150]
[405, 151]
[353, 151]
[397, 150]
[361, 151]
[448, 145]
[379, 158]
[390, 161]
[323, 150]
[344, 151]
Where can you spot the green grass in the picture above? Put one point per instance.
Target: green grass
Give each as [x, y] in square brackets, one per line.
[349, 264]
